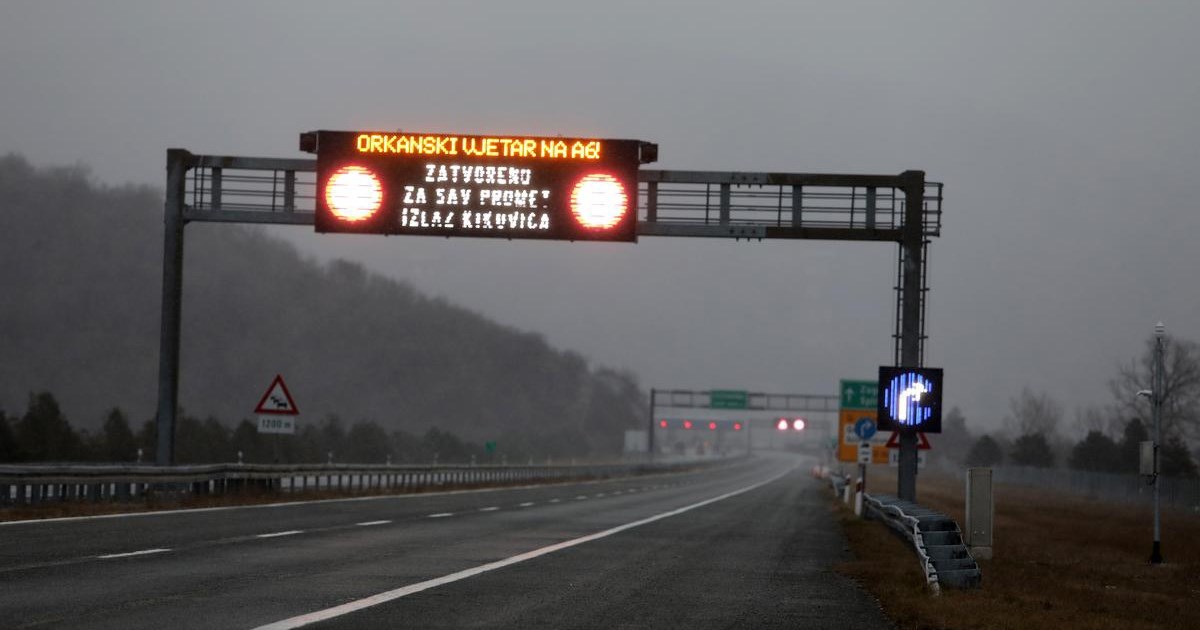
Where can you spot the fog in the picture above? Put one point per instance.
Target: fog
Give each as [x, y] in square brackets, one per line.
[1065, 133]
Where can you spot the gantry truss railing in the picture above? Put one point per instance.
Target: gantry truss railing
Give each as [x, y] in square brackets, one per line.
[755, 401]
[670, 203]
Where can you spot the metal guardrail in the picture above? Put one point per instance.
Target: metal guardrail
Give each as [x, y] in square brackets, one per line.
[909, 527]
[29, 485]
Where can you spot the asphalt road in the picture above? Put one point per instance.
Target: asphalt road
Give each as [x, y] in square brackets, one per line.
[746, 546]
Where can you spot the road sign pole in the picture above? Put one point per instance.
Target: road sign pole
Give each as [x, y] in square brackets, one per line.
[912, 298]
[1156, 400]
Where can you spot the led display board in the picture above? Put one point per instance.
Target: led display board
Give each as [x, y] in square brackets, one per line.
[575, 189]
[909, 399]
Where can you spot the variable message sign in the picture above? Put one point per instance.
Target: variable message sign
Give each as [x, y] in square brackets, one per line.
[514, 187]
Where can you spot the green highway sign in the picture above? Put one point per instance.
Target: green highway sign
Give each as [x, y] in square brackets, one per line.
[727, 399]
[859, 394]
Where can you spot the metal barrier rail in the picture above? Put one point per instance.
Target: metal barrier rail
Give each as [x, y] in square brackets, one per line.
[35, 484]
[909, 527]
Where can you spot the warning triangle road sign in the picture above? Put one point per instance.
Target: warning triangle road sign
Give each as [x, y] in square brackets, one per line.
[278, 400]
[922, 443]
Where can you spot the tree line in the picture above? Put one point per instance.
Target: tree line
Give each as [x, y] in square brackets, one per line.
[1111, 435]
[43, 434]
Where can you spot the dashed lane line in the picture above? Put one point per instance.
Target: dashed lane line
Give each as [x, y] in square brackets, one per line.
[290, 532]
[144, 552]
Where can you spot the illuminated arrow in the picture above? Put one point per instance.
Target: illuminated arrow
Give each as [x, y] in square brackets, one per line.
[913, 393]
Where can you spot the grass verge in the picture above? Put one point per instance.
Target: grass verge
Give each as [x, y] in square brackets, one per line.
[1059, 562]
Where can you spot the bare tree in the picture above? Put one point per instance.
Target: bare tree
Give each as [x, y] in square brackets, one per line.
[1031, 413]
[1109, 420]
[1181, 386]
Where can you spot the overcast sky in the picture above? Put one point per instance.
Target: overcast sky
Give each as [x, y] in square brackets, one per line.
[1066, 134]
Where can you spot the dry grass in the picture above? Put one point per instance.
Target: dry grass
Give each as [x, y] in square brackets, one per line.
[1060, 562]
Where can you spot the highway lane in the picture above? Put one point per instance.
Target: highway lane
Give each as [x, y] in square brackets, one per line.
[757, 559]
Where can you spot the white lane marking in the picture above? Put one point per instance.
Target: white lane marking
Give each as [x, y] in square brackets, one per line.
[387, 596]
[527, 504]
[555, 500]
[441, 515]
[290, 532]
[489, 509]
[370, 523]
[581, 497]
[631, 490]
[132, 553]
[618, 492]
[600, 495]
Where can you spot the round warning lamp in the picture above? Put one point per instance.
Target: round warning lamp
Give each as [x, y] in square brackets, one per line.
[598, 201]
[353, 193]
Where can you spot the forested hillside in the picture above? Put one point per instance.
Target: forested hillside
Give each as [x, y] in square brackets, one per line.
[80, 276]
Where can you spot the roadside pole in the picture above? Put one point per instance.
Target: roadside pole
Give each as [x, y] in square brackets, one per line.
[1156, 401]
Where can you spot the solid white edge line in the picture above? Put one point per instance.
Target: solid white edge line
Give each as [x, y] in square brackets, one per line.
[440, 515]
[370, 523]
[132, 553]
[290, 532]
[387, 596]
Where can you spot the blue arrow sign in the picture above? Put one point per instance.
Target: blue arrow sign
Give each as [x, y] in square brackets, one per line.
[864, 428]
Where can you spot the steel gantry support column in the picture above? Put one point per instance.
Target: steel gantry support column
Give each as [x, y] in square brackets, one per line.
[912, 295]
[650, 428]
[178, 162]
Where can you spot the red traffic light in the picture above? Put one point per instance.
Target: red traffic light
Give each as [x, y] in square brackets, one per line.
[737, 426]
[662, 423]
[796, 424]
[687, 424]
[712, 426]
